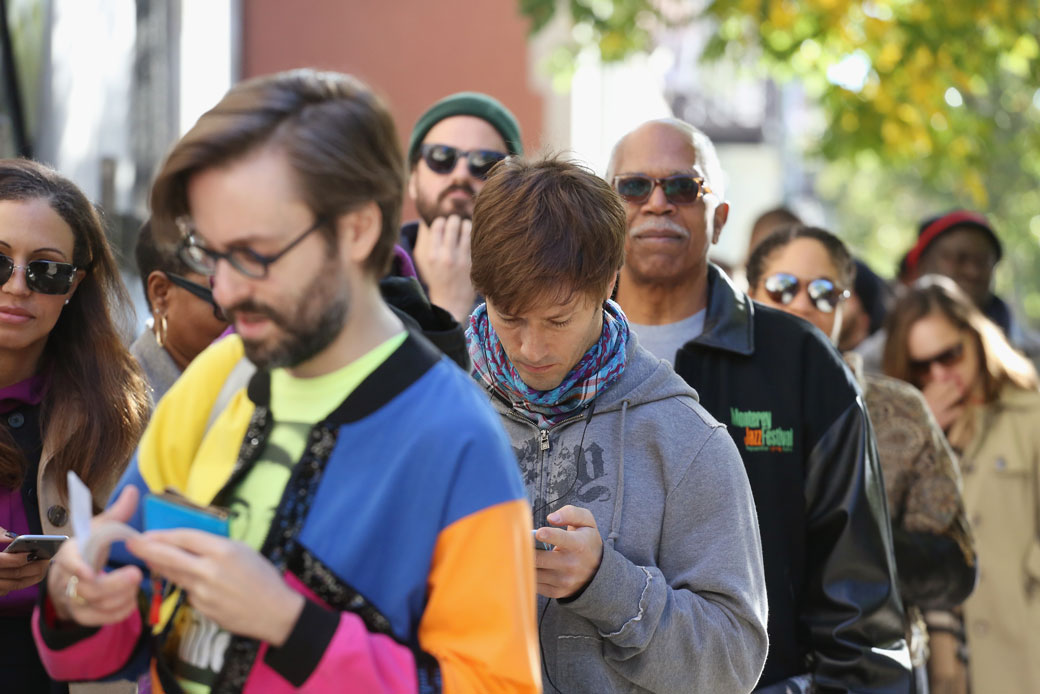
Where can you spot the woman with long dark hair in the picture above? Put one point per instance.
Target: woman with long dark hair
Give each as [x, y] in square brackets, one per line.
[71, 396]
[985, 396]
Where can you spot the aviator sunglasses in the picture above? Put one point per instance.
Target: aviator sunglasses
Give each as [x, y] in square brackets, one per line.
[825, 295]
[41, 276]
[442, 159]
[678, 190]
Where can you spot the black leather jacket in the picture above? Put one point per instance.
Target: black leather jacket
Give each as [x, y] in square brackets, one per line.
[799, 421]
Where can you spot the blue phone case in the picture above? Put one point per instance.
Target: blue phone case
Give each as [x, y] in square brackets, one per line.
[164, 513]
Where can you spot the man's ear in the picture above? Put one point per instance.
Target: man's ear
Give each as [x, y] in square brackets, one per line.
[158, 291]
[359, 231]
[721, 215]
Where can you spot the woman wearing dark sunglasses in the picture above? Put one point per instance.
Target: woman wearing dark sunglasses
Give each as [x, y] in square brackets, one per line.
[71, 397]
[807, 271]
[185, 318]
[986, 397]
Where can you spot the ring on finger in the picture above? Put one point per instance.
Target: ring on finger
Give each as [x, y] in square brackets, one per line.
[71, 591]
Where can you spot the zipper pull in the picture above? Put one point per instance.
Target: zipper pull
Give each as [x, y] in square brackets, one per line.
[543, 439]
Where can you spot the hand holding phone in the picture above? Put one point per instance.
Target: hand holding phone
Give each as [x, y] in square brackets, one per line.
[19, 569]
[538, 544]
[36, 546]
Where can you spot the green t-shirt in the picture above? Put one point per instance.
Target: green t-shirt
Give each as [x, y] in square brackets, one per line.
[297, 404]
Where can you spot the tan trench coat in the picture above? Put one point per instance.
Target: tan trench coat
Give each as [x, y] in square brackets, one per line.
[1002, 497]
[54, 517]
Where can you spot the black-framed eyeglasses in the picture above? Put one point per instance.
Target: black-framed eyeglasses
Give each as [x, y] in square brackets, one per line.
[204, 293]
[41, 276]
[442, 159]
[824, 294]
[247, 261]
[678, 190]
[948, 357]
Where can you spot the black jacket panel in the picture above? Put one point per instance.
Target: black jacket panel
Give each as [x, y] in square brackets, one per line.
[798, 419]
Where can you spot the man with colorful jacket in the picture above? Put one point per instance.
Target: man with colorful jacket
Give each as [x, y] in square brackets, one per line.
[654, 580]
[379, 540]
[794, 411]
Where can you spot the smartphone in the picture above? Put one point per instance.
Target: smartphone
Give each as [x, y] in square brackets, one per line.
[538, 544]
[37, 546]
[171, 510]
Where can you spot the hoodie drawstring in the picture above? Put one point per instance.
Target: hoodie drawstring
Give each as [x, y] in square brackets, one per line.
[619, 492]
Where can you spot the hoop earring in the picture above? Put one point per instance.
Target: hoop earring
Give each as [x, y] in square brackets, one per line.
[160, 331]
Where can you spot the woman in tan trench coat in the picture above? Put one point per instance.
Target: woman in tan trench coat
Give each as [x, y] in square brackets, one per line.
[986, 397]
[71, 396]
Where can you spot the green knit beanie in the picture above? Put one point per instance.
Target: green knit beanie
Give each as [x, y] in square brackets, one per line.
[467, 104]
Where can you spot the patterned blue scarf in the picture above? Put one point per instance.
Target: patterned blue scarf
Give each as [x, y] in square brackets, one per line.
[596, 371]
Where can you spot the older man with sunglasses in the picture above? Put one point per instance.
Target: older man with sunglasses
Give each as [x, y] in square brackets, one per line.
[453, 147]
[835, 617]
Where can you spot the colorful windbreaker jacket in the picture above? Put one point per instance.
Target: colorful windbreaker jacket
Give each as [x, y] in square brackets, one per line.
[405, 524]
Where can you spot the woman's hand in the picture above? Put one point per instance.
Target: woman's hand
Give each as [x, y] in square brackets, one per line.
[945, 400]
[947, 672]
[89, 597]
[17, 572]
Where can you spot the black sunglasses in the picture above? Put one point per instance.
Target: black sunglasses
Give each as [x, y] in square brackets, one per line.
[442, 159]
[204, 293]
[825, 295]
[947, 357]
[41, 276]
[247, 261]
[678, 190]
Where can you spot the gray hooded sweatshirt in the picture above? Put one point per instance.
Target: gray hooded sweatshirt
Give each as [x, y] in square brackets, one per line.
[678, 603]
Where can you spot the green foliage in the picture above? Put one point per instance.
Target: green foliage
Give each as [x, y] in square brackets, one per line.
[931, 102]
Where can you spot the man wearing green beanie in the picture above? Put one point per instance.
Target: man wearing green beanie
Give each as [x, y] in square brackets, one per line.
[453, 147]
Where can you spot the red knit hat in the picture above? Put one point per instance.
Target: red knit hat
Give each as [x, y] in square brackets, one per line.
[934, 227]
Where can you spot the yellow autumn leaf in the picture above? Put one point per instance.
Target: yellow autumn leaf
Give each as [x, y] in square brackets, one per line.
[972, 182]
[890, 55]
[908, 114]
[782, 14]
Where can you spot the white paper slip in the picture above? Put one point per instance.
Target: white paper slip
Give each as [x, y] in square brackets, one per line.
[92, 547]
[81, 509]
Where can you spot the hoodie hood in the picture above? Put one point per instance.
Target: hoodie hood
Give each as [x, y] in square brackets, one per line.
[645, 379]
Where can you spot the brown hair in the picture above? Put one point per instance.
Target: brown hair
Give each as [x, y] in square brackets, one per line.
[338, 135]
[934, 294]
[94, 403]
[545, 229]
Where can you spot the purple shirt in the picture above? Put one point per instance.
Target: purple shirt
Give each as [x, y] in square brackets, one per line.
[12, 510]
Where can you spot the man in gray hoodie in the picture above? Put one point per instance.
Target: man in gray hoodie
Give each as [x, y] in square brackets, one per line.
[649, 563]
